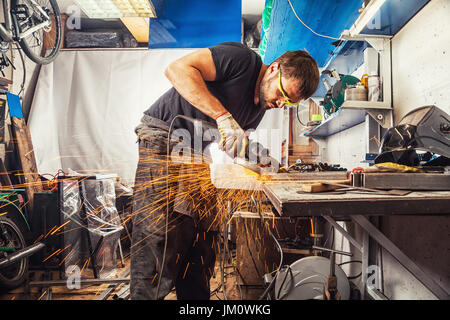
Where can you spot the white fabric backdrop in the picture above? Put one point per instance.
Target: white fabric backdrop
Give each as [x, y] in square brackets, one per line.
[87, 104]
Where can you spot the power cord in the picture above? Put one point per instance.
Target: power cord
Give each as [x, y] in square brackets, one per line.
[298, 117]
[167, 207]
[269, 287]
[351, 261]
[192, 120]
[22, 87]
[317, 34]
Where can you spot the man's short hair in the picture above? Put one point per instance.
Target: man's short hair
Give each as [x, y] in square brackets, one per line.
[300, 65]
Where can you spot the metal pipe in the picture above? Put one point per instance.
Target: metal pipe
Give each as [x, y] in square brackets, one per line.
[52, 283]
[404, 260]
[333, 251]
[21, 254]
[344, 233]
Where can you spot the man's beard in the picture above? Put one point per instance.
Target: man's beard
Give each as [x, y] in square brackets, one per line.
[262, 99]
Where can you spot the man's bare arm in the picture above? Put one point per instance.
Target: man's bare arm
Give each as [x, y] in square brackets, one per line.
[188, 75]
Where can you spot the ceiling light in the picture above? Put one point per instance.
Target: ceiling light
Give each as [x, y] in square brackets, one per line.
[103, 9]
[135, 8]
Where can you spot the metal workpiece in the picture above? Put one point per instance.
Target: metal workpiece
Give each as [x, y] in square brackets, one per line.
[406, 181]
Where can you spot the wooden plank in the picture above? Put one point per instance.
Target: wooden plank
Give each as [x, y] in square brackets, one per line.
[2, 120]
[5, 181]
[138, 27]
[407, 181]
[50, 36]
[31, 179]
[313, 108]
[5, 82]
[321, 187]
[256, 251]
[312, 148]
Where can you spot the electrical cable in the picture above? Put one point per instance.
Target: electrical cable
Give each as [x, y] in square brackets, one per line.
[224, 239]
[318, 34]
[192, 120]
[167, 204]
[269, 287]
[22, 87]
[351, 261]
[277, 296]
[298, 118]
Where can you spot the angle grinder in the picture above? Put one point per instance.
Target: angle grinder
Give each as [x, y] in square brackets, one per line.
[257, 158]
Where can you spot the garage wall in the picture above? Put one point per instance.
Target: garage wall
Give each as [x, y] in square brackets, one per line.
[420, 61]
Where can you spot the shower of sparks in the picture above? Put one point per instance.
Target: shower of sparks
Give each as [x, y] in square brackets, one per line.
[177, 183]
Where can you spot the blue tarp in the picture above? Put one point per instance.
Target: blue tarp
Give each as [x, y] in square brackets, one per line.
[327, 17]
[195, 23]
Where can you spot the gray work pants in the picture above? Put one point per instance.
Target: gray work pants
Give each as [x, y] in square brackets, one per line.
[190, 249]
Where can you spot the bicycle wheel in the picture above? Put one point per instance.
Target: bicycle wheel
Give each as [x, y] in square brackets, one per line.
[41, 46]
[11, 237]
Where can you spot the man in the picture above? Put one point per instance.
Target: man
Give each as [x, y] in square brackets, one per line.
[228, 86]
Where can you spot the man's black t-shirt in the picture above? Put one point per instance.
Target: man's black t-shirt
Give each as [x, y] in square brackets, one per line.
[237, 70]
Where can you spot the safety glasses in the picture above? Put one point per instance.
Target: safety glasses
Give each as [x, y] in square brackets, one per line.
[287, 101]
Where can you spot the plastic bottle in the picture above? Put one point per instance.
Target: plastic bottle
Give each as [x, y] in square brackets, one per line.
[373, 87]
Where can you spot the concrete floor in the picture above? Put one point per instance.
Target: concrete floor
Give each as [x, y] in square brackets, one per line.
[92, 292]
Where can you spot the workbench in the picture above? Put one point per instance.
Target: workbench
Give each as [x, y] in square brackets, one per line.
[289, 201]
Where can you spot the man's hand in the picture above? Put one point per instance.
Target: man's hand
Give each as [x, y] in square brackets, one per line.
[233, 140]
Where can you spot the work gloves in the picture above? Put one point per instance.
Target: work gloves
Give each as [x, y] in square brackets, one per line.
[234, 140]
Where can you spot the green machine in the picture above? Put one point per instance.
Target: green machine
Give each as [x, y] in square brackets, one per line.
[334, 97]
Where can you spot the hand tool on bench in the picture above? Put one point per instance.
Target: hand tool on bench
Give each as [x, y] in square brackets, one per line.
[316, 187]
[326, 185]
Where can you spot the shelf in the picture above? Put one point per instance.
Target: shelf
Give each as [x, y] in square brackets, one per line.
[389, 20]
[393, 16]
[341, 120]
[366, 105]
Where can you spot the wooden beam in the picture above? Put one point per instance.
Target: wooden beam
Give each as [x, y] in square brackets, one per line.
[138, 26]
[322, 187]
[31, 179]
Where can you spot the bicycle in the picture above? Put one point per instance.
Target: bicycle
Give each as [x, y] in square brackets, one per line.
[26, 23]
[11, 240]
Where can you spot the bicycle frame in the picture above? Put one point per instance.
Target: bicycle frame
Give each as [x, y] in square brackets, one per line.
[6, 30]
